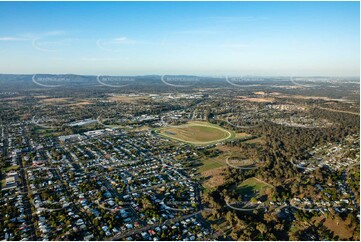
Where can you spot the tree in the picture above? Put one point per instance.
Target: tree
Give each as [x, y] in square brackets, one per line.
[261, 227]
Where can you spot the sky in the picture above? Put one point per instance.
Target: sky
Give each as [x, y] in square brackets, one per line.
[194, 38]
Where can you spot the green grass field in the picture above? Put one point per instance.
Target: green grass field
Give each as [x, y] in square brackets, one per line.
[254, 187]
[197, 133]
[9, 168]
[211, 164]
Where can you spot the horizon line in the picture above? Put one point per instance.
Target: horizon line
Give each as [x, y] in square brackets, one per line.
[213, 76]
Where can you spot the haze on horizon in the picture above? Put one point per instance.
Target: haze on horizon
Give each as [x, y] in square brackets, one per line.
[193, 38]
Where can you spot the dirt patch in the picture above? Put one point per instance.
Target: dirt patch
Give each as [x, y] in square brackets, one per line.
[41, 96]
[228, 149]
[126, 99]
[256, 99]
[80, 103]
[279, 95]
[338, 111]
[12, 98]
[259, 93]
[242, 135]
[54, 100]
[337, 226]
[213, 177]
[259, 140]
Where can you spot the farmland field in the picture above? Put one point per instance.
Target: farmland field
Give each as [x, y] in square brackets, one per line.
[198, 133]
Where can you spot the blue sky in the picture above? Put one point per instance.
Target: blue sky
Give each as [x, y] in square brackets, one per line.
[202, 38]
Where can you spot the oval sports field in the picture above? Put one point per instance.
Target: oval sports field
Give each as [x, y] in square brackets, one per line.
[196, 132]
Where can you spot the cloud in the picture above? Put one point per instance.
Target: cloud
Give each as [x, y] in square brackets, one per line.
[118, 40]
[54, 32]
[115, 44]
[10, 38]
[52, 41]
[121, 39]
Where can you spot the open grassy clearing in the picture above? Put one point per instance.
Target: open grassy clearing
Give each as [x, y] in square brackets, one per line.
[45, 132]
[213, 178]
[338, 226]
[243, 136]
[253, 187]
[80, 103]
[213, 167]
[10, 168]
[3, 183]
[256, 183]
[229, 149]
[63, 101]
[228, 152]
[55, 100]
[259, 140]
[127, 99]
[197, 133]
[338, 111]
[212, 163]
[256, 99]
[12, 98]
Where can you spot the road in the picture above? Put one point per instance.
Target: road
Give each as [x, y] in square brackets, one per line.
[121, 235]
[116, 194]
[27, 204]
[79, 210]
[201, 208]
